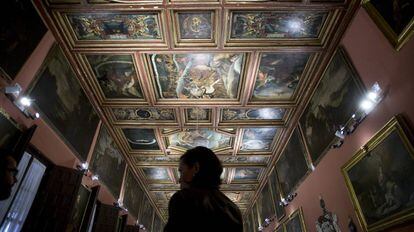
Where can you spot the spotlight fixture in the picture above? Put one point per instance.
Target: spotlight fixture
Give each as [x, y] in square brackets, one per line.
[289, 198]
[260, 228]
[83, 167]
[25, 101]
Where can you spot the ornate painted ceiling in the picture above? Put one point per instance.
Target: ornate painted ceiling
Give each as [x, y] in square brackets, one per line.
[231, 75]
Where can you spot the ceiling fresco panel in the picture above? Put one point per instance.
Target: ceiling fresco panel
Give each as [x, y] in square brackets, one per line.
[197, 76]
[248, 115]
[247, 174]
[258, 139]
[143, 115]
[157, 174]
[141, 139]
[198, 116]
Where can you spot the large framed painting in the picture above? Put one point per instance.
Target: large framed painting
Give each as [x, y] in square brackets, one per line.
[292, 165]
[19, 19]
[380, 177]
[295, 223]
[107, 162]
[258, 139]
[394, 18]
[265, 203]
[195, 28]
[279, 75]
[116, 75]
[141, 138]
[192, 77]
[133, 194]
[10, 132]
[334, 101]
[63, 104]
[276, 193]
[191, 138]
[147, 214]
[79, 209]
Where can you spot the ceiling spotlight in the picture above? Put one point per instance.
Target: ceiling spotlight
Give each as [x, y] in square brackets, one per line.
[25, 101]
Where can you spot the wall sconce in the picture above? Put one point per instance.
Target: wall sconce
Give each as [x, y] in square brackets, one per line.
[23, 103]
[83, 167]
[285, 201]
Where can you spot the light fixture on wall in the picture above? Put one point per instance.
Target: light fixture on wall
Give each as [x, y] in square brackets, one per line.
[83, 167]
[371, 99]
[95, 177]
[23, 103]
[289, 198]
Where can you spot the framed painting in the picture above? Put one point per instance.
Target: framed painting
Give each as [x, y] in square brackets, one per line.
[107, 162]
[280, 228]
[191, 138]
[334, 101]
[141, 138]
[79, 209]
[246, 174]
[279, 75]
[56, 89]
[276, 193]
[265, 203]
[192, 77]
[143, 115]
[292, 165]
[195, 27]
[255, 218]
[158, 227]
[10, 132]
[18, 20]
[147, 214]
[157, 174]
[295, 223]
[258, 139]
[198, 116]
[254, 115]
[248, 223]
[380, 177]
[116, 76]
[394, 18]
[133, 194]
[270, 26]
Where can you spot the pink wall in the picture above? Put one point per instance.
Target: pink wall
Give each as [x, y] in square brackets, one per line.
[375, 60]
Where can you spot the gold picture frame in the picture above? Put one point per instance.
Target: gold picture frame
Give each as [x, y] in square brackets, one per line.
[370, 204]
[396, 39]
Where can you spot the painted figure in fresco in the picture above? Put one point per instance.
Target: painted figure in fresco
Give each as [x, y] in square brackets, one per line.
[202, 137]
[198, 76]
[195, 26]
[328, 221]
[258, 138]
[198, 114]
[391, 193]
[143, 114]
[200, 205]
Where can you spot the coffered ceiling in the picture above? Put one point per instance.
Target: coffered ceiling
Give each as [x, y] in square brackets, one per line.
[165, 76]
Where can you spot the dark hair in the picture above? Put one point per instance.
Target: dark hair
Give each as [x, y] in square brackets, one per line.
[210, 170]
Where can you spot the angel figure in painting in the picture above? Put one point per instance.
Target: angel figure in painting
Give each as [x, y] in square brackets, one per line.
[328, 221]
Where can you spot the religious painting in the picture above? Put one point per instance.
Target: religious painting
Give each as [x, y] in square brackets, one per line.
[395, 19]
[144, 114]
[292, 165]
[110, 26]
[380, 177]
[278, 75]
[63, 104]
[19, 19]
[276, 192]
[198, 115]
[9, 132]
[141, 139]
[251, 114]
[247, 159]
[191, 138]
[265, 203]
[157, 174]
[79, 208]
[107, 162]
[197, 76]
[295, 223]
[116, 75]
[193, 26]
[255, 25]
[334, 101]
[147, 214]
[246, 174]
[157, 224]
[258, 139]
[238, 187]
[133, 194]
[156, 160]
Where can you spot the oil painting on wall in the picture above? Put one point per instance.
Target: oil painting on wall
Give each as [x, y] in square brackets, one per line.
[116, 75]
[107, 162]
[276, 191]
[63, 103]
[276, 24]
[157, 174]
[394, 18]
[133, 194]
[257, 139]
[278, 75]
[246, 174]
[144, 114]
[108, 26]
[201, 137]
[197, 75]
[265, 203]
[295, 222]
[9, 132]
[141, 139]
[18, 20]
[333, 103]
[147, 214]
[292, 165]
[248, 114]
[78, 214]
[195, 25]
[380, 177]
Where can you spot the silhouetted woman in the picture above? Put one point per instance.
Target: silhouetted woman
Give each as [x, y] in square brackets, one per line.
[199, 205]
